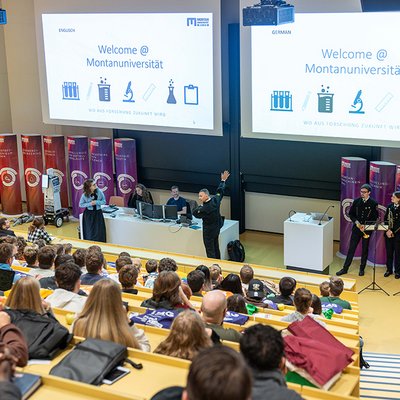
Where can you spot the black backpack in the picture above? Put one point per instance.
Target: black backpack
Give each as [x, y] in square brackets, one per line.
[236, 251]
[44, 335]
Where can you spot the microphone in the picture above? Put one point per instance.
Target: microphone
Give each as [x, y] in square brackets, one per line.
[290, 215]
[323, 215]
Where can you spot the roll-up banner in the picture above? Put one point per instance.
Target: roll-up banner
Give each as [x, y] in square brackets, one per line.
[353, 174]
[125, 167]
[382, 180]
[54, 157]
[101, 163]
[32, 155]
[78, 157]
[397, 184]
[9, 175]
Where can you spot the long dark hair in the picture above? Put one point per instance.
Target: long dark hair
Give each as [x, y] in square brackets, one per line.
[86, 187]
[145, 193]
[232, 283]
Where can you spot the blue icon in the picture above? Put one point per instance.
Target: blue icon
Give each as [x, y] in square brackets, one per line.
[171, 97]
[191, 95]
[191, 21]
[70, 91]
[357, 104]
[325, 100]
[128, 94]
[281, 100]
[104, 90]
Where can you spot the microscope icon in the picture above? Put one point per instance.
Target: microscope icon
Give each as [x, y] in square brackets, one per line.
[357, 104]
[128, 94]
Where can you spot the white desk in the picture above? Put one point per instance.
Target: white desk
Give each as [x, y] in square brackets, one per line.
[307, 244]
[128, 230]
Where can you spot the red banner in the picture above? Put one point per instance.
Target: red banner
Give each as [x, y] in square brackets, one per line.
[9, 175]
[33, 167]
[54, 157]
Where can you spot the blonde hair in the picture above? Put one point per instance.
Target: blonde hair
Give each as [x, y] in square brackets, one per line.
[103, 316]
[186, 338]
[25, 295]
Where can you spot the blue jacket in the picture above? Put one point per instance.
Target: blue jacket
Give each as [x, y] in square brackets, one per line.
[85, 201]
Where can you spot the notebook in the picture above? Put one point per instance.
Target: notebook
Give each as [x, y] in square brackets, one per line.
[27, 384]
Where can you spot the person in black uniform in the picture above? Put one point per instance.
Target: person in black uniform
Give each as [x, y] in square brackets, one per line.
[208, 210]
[363, 210]
[140, 194]
[392, 236]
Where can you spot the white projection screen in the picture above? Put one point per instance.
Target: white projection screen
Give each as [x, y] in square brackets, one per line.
[331, 76]
[152, 65]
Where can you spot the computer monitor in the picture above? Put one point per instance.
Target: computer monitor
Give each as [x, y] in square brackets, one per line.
[171, 212]
[158, 212]
[145, 209]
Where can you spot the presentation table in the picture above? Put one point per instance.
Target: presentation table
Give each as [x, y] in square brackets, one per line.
[127, 229]
[308, 245]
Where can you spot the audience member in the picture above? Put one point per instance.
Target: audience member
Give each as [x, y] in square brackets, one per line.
[21, 244]
[324, 289]
[128, 277]
[287, 285]
[263, 349]
[302, 303]
[119, 263]
[167, 264]
[151, 268]
[39, 243]
[186, 338]
[246, 275]
[336, 286]
[36, 231]
[104, 317]
[236, 303]
[46, 257]
[213, 309]
[5, 227]
[80, 259]
[207, 277]
[50, 281]
[124, 254]
[316, 305]
[256, 294]
[195, 280]
[231, 283]
[7, 252]
[186, 290]
[94, 266]
[66, 295]
[216, 275]
[67, 248]
[59, 248]
[31, 257]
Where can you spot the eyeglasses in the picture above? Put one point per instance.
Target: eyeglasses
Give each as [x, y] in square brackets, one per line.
[364, 191]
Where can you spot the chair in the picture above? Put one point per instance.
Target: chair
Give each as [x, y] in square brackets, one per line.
[191, 205]
[117, 200]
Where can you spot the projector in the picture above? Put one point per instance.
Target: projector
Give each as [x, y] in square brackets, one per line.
[268, 12]
[3, 17]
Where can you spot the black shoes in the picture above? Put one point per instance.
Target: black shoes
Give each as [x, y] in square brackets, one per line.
[387, 273]
[341, 272]
[397, 276]
[361, 272]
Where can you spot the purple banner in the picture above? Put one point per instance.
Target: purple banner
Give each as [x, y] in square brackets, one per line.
[125, 167]
[78, 156]
[353, 172]
[102, 165]
[397, 184]
[382, 179]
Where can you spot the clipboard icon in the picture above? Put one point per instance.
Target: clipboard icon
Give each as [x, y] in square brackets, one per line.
[191, 95]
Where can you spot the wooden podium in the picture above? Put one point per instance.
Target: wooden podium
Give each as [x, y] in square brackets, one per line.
[308, 243]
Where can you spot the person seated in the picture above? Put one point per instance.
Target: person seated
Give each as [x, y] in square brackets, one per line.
[167, 264]
[195, 280]
[167, 293]
[215, 275]
[316, 305]
[336, 286]
[128, 277]
[31, 257]
[7, 252]
[256, 294]
[104, 317]
[119, 263]
[186, 338]
[94, 265]
[19, 257]
[246, 275]
[59, 248]
[25, 295]
[177, 200]
[302, 303]
[236, 303]
[36, 231]
[207, 277]
[213, 310]
[66, 295]
[50, 281]
[140, 194]
[287, 285]
[46, 258]
[231, 283]
[262, 347]
[324, 289]
[80, 259]
[152, 274]
[39, 243]
[67, 248]
[5, 227]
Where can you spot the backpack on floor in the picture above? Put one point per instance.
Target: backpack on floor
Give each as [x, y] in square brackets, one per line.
[236, 251]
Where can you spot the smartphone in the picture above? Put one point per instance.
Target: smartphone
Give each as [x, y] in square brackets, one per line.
[115, 375]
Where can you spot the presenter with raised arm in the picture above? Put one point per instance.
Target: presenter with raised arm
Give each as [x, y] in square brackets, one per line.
[363, 210]
[94, 227]
[209, 212]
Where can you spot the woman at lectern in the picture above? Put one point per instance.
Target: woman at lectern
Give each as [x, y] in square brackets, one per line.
[140, 194]
[392, 236]
[93, 224]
